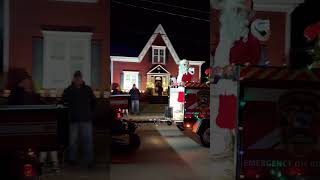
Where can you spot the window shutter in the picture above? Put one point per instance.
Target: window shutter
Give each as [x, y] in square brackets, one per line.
[139, 81]
[96, 64]
[121, 80]
[166, 56]
[37, 61]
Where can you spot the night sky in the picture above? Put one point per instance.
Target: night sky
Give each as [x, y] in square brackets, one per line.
[303, 16]
[131, 27]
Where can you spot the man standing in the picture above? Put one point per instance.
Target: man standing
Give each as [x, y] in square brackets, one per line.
[81, 100]
[135, 96]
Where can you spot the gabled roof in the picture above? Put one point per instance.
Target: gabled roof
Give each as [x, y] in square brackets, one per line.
[158, 69]
[159, 31]
[163, 34]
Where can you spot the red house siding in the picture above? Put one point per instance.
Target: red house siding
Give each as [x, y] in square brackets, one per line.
[276, 43]
[28, 18]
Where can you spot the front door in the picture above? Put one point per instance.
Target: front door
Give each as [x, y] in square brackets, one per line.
[158, 81]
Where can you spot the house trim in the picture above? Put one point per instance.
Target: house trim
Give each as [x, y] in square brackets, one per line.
[167, 41]
[69, 34]
[80, 1]
[6, 35]
[196, 63]
[124, 59]
[156, 68]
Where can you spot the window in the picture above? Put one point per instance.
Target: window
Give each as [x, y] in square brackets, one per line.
[130, 78]
[37, 62]
[158, 55]
[65, 53]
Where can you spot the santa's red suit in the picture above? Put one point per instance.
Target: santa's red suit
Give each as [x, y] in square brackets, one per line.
[244, 52]
[187, 78]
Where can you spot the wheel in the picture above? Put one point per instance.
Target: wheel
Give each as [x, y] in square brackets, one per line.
[205, 137]
[180, 127]
[134, 141]
[169, 123]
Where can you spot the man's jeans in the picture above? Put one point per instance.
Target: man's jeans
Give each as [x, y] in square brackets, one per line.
[135, 106]
[84, 130]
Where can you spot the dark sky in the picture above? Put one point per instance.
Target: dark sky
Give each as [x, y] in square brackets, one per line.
[131, 27]
[303, 16]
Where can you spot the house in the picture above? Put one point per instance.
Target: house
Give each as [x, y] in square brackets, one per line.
[50, 39]
[155, 64]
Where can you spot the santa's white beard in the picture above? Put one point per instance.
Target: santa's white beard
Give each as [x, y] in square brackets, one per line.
[233, 28]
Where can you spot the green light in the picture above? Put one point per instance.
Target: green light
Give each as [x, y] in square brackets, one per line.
[273, 172]
[279, 174]
[242, 103]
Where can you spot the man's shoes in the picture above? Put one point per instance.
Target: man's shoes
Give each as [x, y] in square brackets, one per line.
[91, 165]
[72, 163]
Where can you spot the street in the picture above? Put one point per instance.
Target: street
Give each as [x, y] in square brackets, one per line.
[165, 154]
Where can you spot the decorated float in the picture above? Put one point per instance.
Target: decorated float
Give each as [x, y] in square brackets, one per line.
[263, 118]
[189, 103]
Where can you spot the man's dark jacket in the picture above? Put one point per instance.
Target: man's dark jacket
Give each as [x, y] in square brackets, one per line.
[81, 102]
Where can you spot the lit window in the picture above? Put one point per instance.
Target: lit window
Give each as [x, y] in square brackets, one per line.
[130, 78]
[158, 55]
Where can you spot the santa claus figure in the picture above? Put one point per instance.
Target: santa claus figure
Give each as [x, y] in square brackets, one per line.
[183, 70]
[185, 75]
[239, 42]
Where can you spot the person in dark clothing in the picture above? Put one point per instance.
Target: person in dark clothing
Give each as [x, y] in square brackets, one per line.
[135, 96]
[160, 90]
[24, 94]
[81, 101]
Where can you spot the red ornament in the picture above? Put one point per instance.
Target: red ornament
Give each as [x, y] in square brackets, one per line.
[312, 31]
[208, 71]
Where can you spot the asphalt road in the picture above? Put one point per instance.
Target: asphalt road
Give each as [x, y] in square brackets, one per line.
[165, 154]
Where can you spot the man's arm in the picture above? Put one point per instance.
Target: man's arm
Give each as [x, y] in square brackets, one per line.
[65, 97]
[93, 99]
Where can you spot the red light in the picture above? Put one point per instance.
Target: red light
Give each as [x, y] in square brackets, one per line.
[28, 170]
[293, 171]
[119, 116]
[188, 116]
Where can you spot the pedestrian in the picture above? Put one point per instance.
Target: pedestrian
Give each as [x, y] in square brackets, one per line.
[80, 99]
[135, 96]
[160, 90]
[24, 94]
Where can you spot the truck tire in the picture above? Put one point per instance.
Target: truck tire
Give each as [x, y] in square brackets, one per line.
[180, 127]
[169, 123]
[205, 137]
[134, 141]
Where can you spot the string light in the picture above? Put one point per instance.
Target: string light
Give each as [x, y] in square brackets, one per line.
[159, 11]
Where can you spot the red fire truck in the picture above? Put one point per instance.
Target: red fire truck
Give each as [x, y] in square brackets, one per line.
[278, 124]
[190, 109]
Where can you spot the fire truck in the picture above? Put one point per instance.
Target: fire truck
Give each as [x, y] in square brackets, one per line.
[278, 124]
[189, 106]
